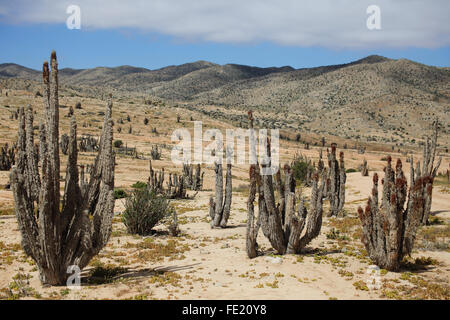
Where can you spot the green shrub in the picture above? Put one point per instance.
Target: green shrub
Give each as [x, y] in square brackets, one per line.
[119, 194]
[350, 170]
[300, 169]
[139, 185]
[144, 209]
[118, 143]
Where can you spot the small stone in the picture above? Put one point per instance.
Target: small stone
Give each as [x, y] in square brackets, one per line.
[274, 259]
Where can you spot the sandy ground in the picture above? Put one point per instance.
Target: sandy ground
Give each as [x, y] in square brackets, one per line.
[205, 263]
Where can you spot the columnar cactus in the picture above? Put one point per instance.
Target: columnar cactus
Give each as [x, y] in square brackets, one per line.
[282, 224]
[74, 231]
[194, 181]
[429, 169]
[389, 229]
[364, 169]
[176, 186]
[155, 180]
[70, 112]
[88, 144]
[336, 182]
[156, 153]
[64, 143]
[219, 206]
[7, 157]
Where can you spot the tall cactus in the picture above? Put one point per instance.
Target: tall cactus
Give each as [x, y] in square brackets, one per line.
[219, 206]
[389, 230]
[336, 182]
[282, 224]
[74, 231]
[364, 169]
[429, 169]
[285, 235]
[64, 143]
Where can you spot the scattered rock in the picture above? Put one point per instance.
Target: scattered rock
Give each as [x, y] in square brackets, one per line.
[274, 259]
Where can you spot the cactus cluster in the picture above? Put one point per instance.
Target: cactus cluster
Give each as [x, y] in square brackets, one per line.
[389, 229]
[282, 224]
[156, 153]
[220, 204]
[336, 178]
[194, 181]
[88, 144]
[14, 115]
[7, 157]
[72, 231]
[175, 186]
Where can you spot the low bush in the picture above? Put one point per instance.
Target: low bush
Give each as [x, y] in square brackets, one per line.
[301, 169]
[144, 209]
[139, 185]
[119, 194]
[118, 143]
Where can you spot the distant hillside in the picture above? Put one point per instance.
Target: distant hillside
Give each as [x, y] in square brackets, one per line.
[12, 70]
[371, 98]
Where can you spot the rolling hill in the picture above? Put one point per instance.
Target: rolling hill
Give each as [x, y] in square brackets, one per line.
[372, 99]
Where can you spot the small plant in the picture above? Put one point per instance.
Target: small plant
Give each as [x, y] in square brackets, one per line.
[301, 169]
[335, 234]
[118, 143]
[105, 274]
[144, 209]
[119, 194]
[139, 185]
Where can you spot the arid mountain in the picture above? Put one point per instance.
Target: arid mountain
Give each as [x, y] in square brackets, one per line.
[372, 99]
[12, 70]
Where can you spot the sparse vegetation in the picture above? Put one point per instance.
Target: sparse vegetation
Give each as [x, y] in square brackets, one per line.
[144, 209]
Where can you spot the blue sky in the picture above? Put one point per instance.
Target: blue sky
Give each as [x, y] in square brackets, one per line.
[118, 34]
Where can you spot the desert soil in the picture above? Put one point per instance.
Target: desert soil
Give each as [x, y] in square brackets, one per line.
[205, 263]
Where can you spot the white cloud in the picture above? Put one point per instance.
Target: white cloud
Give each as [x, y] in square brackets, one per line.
[325, 23]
